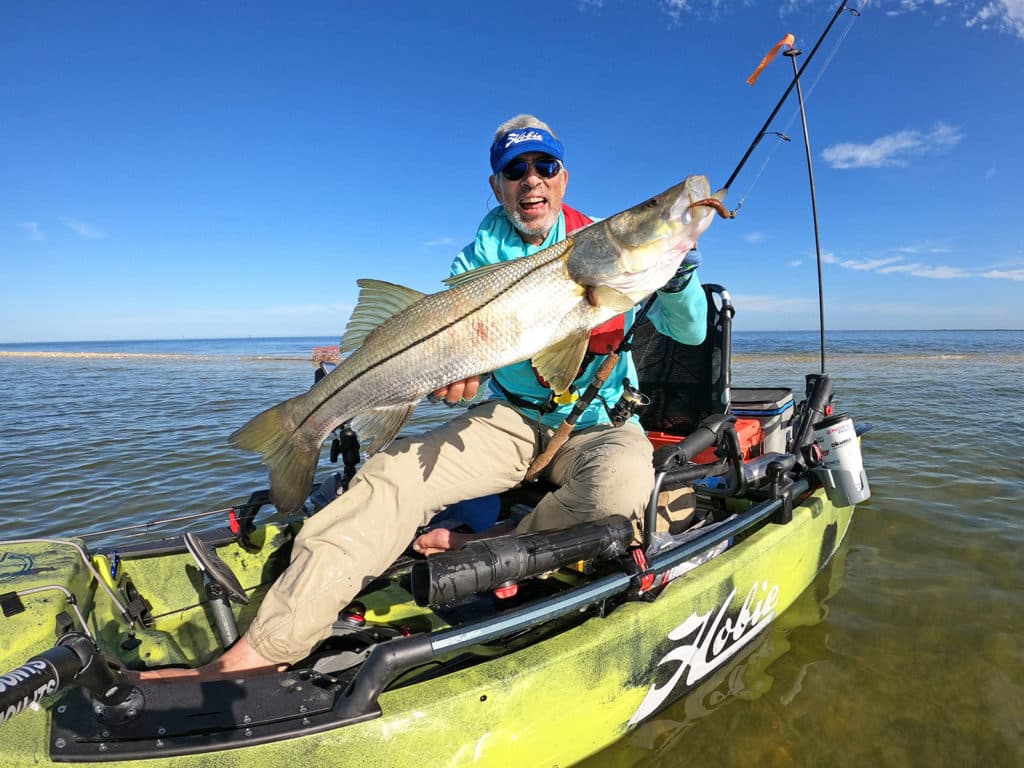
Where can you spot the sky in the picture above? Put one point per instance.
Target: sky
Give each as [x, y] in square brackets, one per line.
[229, 169]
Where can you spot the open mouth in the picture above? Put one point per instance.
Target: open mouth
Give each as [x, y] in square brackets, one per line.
[532, 204]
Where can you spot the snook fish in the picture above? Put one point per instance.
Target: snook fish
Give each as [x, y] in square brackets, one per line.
[406, 344]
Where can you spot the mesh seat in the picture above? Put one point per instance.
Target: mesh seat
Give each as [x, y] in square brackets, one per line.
[685, 382]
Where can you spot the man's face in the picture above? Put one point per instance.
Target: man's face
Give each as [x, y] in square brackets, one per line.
[532, 202]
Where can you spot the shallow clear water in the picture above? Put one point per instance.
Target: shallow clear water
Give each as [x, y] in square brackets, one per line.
[907, 651]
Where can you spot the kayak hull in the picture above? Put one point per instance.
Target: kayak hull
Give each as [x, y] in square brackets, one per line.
[550, 699]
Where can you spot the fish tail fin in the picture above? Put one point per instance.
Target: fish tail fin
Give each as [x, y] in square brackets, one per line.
[286, 450]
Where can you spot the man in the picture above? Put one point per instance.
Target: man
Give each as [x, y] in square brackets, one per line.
[601, 469]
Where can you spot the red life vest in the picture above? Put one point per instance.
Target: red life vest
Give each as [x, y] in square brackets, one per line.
[607, 335]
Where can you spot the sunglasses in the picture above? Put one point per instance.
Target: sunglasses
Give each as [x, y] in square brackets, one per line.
[546, 167]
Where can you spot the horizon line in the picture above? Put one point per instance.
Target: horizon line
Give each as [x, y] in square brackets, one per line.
[335, 336]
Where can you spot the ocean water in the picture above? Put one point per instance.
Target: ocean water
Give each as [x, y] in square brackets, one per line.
[907, 651]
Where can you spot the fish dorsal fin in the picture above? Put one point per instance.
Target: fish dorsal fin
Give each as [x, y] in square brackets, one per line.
[559, 363]
[378, 301]
[604, 296]
[560, 249]
[380, 425]
[473, 274]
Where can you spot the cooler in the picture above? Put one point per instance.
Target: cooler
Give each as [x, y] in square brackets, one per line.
[773, 408]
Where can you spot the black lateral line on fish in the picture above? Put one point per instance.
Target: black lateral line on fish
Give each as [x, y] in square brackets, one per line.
[348, 382]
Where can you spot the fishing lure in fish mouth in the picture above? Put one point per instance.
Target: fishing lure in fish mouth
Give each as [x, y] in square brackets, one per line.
[716, 204]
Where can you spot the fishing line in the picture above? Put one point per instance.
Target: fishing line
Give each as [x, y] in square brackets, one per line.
[146, 527]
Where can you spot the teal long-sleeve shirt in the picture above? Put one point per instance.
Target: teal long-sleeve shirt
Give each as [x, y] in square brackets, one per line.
[682, 315]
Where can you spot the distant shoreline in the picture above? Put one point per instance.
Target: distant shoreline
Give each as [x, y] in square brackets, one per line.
[57, 354]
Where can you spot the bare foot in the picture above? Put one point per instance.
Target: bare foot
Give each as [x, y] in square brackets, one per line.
[442, 540]
[437, 540]
[169, 673]
[240, 659]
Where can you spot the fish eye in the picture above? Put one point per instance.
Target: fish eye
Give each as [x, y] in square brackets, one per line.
[653, 203]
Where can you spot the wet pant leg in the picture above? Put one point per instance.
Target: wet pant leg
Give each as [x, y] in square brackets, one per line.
[602, 470]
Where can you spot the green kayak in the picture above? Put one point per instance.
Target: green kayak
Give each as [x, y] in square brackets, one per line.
[530, 650]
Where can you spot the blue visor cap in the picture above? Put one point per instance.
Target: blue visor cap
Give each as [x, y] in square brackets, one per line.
[519, 142]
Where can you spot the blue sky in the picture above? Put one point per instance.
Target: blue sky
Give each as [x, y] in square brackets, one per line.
[229, 169]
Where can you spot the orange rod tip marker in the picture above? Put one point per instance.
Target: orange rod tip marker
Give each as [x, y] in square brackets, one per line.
[787, 40]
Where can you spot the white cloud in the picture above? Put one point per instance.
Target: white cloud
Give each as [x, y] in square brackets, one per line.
[910, 6]
[866, 265]
[898, 265]
[935, 272]
[445, 241]
[898, 268]
[675, 9]
[940, 272]
[894, 149]
[754, 238]
[705, 9]
[1002, 15]
[31, 229]
[923, 248]
[82, 229]
[1003, 274]
[1006, 16]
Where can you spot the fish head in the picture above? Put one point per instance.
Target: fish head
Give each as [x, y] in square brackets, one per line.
[637, 251]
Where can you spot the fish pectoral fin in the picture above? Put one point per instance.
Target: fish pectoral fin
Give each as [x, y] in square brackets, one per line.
[381, 425]
[604, 296]
[378, 301]
[559, 364]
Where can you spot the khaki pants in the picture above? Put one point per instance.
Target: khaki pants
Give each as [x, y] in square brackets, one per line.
[602, 470]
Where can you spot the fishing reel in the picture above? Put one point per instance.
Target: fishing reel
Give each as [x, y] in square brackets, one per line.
[346, 446]
[630, 403]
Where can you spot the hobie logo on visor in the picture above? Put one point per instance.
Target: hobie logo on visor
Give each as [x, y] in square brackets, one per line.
[518, 138]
